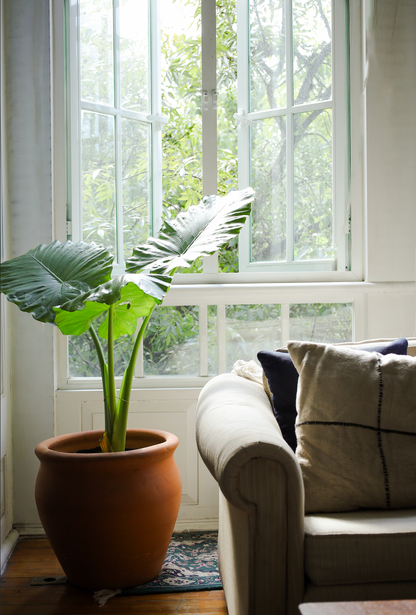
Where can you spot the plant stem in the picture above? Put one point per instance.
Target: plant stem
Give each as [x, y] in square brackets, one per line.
[104, 379]
[120, 423]
[111, 380]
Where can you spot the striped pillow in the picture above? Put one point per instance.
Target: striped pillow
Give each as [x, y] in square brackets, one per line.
[356, 427]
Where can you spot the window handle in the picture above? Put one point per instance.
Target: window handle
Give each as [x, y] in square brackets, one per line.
[242, 119]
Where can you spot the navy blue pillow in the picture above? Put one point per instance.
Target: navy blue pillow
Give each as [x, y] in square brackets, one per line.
[282, 377]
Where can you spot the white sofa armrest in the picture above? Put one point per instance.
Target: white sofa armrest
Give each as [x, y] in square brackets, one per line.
[262, 502]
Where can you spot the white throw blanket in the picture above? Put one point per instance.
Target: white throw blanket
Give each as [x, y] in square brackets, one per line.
[249, 370]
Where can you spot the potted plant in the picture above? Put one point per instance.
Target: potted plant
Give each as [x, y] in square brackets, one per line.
[110, 516]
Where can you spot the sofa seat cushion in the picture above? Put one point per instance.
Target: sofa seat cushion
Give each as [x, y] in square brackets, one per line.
[363, 546]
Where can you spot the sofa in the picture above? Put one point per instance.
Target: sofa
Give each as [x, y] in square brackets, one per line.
[272, 554]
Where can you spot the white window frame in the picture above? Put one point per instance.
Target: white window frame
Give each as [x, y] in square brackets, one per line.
[348, 176]
[339, 106]
[153, 118]
[344, 267]
[222, 296]
[211, 287]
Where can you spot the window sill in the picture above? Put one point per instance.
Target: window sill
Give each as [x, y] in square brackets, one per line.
[267, 277]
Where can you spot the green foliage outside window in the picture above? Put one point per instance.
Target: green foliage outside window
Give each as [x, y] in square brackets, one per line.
[171, 343]
[182, 147]
[321, 322]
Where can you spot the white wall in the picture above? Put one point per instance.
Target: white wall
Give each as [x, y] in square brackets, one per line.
[27, 109]
[384, 310]
[6, 445]
[391, 141]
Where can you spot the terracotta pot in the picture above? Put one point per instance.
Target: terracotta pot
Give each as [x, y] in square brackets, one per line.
[109, 516]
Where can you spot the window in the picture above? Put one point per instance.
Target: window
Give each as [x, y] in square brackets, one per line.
[293, 139]
[159, 118]
[193, 342]
[161, 111]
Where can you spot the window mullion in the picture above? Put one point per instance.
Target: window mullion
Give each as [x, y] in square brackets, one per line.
[209, 110]
[243, 97]
[155, 107]
[289, 135]
[285, 323]
[203, 340]
[209, 85]
[116, 47]
[117, 129]
[261, 115]
[119, 193]
[75, 215]
[340, 134]
[221, 337]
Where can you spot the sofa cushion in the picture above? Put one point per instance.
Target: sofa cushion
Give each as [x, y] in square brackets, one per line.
[282, 379]
[356, 428]
[364, 546]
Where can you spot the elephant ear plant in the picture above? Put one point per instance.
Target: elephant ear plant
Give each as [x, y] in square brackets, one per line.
[70, 285]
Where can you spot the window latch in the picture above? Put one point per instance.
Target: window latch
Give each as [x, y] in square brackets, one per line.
[205, 100]
[214, 99]
[158, 121]
[348, 220]
[242, 119]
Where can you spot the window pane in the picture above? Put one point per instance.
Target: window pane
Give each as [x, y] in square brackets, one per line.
[249, 329]
[268, 178]
[312, 58]
[181, 104]
[96, 42]
[98, 183]
[171, 342]
[321, 322]
[267, 54]
[135, 186]
[313, 185]
[82, 356]
[134, 52]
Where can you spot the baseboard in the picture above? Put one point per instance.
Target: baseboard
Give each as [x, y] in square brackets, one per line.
[182, 525]
[196, 525]
[30, 529]
[7, 547]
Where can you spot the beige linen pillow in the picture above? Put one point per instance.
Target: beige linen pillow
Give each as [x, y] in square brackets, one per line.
[356, 427]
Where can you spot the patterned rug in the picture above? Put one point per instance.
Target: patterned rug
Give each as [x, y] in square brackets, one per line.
[191, 564]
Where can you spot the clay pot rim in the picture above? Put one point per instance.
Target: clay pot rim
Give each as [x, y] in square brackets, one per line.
[80, 440]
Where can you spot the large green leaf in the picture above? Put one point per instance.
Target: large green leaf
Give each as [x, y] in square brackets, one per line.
[200, 231]
[52, 275]
[132, 296]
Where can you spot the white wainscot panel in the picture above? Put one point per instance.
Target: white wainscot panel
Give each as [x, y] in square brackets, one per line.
[176, 416]
[168, 410]
[391, 314]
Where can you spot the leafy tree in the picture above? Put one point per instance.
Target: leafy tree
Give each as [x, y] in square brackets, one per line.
[321, 322]
[312, 138]
[171, 344]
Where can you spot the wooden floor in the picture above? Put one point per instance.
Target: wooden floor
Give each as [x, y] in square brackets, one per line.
[33, 557]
